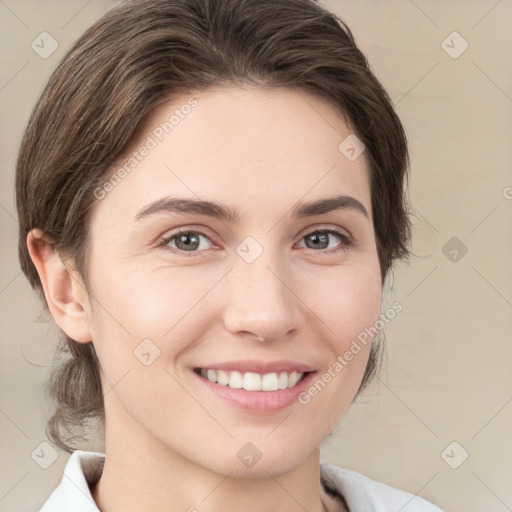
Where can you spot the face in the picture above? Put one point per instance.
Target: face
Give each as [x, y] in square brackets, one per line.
[272, 289]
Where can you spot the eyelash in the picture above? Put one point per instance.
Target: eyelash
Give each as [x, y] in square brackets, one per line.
[346, 241]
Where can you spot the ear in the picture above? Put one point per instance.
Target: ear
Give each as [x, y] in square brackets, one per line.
[65, 294]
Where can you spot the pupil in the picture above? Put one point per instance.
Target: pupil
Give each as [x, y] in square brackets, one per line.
[188, 244]
[319, 238]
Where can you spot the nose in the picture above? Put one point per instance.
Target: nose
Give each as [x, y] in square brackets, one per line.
[260, 299]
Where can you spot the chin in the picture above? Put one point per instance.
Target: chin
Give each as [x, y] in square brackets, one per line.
[249, 462]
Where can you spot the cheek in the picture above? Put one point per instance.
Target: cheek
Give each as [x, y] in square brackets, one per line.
[148, 300]
[348, 305]
[347, 302]
[140, 311]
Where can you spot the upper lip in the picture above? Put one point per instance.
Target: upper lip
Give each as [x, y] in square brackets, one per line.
[256, 366]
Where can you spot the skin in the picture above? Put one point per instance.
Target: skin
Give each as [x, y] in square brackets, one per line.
[169, 439]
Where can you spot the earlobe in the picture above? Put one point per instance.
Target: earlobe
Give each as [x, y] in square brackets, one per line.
[64, 292]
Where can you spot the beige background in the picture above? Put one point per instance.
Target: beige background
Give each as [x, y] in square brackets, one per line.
[448, 371]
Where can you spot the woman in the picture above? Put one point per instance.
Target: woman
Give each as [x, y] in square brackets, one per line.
[211, 195]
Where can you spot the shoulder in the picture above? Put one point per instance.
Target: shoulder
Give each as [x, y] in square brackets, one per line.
[72, 494]
[363, 494]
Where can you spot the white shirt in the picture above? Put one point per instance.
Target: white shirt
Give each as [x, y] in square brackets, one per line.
[361, 493]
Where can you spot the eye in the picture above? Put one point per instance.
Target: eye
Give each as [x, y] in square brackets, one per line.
[319, 239]
[185, 241]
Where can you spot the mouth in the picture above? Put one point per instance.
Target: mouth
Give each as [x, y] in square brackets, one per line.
[252, 381]
[256, 386]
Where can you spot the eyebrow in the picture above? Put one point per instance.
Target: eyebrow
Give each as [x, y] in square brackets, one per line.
[222, 212]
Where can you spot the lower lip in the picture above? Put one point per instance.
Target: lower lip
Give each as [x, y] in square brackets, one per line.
[263, 402]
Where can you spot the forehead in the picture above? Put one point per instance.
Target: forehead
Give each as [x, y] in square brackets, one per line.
[271, 146]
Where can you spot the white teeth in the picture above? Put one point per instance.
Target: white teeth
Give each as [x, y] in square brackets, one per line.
[252, 381]
[283, 380]
[293, 379]
[235, 380]
[222, 377]
[269, 382]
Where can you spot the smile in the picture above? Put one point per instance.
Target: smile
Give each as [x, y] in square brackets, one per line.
[251, 381]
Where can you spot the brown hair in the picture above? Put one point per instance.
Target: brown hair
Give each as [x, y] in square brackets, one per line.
[143, 52]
